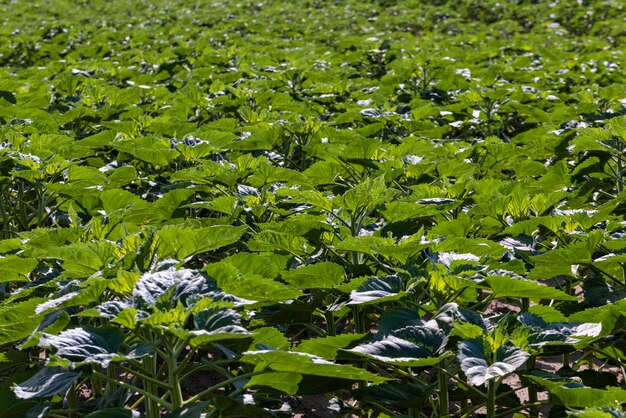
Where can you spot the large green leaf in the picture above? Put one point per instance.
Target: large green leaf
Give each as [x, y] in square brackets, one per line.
[509, 287]
[377, 290]
[169, 287]
[416, 346]
[252, 287]
[327, 347]
[479, 369]
[49, 381]
[306, 364]
[182, 242]
[14, 268]
[84, 259]
[18, 320]
[323, 275]
[403, 395]
[576, 395]
[284, 382]
[367, 195]
[86, 345]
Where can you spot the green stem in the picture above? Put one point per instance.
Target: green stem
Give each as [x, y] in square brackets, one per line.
[359, 325]
[145, 377]
[318, 330]
[152, 401]
[187, 359]
[491, 398]
[140, 391]
[331, 326]
[177, 394]
[444, 403]
[110, 379]
[525, 304]
[462, 383]
[71, 399]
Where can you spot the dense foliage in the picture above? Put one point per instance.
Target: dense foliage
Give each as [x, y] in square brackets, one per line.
[386, 208]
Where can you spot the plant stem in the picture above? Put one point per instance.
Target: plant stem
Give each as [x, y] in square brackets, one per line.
[152, 402]
[71, 399]
[177, 395]
[133, 388]
[491, 398]
[330, 323]
[444, 403]
[525, 304]
[463, 383]
[145, 377]
[359, 325]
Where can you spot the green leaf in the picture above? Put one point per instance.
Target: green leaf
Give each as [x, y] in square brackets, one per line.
[609, 316]
[284, 382]
[377, 290]
[396, 318]
[278, 242]
[478, 370]
[18, 320]
[509, 287]
[269, 338]
[306, 364]
[183, 242]
[401, 211]
[260, 289]
[466, 330]
[394, 350]
[402, 395]
[84, 259]
[252, 287]
[14, 268]
[86, 345]
[8, 96]
[578, 396]
[414, 345]
[324, 275]
[92, 292]
[327, 347]
[49, 381]
[367, 195]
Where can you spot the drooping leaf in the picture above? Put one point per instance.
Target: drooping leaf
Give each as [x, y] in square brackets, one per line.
[86, 345]
[577, 395]
[306, 364]
[403, 395]
[49, 381]
[376, 290]
[479, 370]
